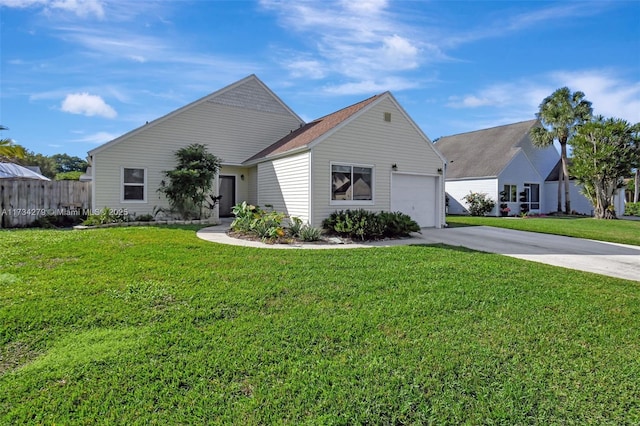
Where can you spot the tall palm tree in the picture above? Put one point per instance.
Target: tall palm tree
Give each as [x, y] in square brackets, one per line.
[10, 150]
[561, 114]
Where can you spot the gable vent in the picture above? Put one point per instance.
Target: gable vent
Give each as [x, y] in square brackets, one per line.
[387, 116]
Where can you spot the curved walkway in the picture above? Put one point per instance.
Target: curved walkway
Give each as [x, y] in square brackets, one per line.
[615, 260]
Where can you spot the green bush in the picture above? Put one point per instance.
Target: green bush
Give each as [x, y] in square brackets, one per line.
[56, 221]
[75, 175]
[632, 209]
[105, 216]
[309, 233]
[397, 224]
[253, 220]
[295, 227]
[479, 203]
[366, 225]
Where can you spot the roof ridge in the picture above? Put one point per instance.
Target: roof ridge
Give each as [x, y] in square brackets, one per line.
[347, 107]
[489, 128]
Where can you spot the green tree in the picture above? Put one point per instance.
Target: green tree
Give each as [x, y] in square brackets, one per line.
[604, 152]
[10, 150]
[67, 163]
[561, 114]
[47, 164]
[191, 181]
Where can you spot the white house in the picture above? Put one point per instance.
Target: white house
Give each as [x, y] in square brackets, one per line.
[503, 163]
[369, 155]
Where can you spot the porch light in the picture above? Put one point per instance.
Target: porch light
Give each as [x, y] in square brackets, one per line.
[394, 166]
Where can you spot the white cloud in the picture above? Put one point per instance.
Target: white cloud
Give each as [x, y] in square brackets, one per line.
[97, 138]
[81, 8]
[306, 68]
[86, 104]
[361, 41]
[610, 94]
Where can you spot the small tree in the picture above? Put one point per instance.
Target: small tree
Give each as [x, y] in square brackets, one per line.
[479, 203]
[560, 114]
[603, 155]
[191, 181]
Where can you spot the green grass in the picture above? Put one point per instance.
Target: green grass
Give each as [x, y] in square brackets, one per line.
[153, 326]
[615, 231]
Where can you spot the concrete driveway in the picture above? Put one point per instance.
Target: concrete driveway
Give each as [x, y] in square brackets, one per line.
[616, 260]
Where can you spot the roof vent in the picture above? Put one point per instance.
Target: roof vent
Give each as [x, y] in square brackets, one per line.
[387, 116]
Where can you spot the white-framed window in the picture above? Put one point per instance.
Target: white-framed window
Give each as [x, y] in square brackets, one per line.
[351, 184]
[532, 195]
[134, 185]
[509, 194]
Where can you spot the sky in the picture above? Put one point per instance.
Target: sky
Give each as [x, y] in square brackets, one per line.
[77, 73]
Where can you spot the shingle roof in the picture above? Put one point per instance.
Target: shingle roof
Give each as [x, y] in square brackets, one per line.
[309, 132]
[482, 153]
[554, 174]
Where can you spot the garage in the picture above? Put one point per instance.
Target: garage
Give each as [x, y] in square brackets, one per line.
[415, 195]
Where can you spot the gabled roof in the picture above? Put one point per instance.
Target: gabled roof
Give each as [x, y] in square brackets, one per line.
[15, 171]
[310, 132]
[483, 153]
[219, 96]
[554, 174]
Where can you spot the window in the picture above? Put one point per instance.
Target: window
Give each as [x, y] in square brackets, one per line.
[532, 195]
[133, 184]
[351, 183]
[509, 194]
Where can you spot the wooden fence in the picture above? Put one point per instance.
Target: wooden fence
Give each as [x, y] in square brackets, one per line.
[22, 201]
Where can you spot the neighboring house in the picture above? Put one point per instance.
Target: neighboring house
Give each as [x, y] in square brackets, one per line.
[369, 155]
[15, 171]
[503, 163]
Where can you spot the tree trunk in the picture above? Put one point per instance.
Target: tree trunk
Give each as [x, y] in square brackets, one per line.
[636, 187]
[565, 172]
[560, 174]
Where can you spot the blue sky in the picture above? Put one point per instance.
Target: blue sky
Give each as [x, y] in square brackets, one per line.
[75, 74]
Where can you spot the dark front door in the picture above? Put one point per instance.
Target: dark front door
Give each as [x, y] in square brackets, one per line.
[227, 188]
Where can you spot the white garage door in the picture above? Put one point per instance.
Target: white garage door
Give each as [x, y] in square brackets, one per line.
[415, 195]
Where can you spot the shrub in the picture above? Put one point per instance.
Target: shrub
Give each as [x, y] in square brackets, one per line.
[360, 223]
[632, 209]
[105, 216]
[253, 220]
[56, 221]
[366, 225]
[295, 227]
[398, 224]
[74, 175]
[479, 203]
[144, 218]
[309, 233]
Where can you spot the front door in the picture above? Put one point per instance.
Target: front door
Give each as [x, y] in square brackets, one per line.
[227, 188]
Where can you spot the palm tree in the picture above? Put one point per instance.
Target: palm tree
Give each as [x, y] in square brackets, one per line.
[561, 114]
[10, 150]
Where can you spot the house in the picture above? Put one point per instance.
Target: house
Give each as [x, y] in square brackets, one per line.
[503, 163]
[369, 155]
[15, 171]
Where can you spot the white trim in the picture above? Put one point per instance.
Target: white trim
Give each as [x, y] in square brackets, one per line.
[355, 203]
[93, 181]
[144, 185]
[311, 215]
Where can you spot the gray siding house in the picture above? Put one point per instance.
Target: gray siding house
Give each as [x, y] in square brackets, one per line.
[369, 155]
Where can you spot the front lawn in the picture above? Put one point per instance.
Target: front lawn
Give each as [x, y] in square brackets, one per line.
[153, 326]
[615, 231]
